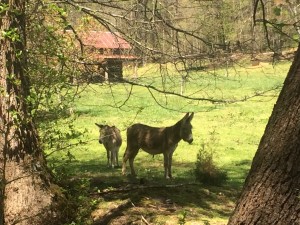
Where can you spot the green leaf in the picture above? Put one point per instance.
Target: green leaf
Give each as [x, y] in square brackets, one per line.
[4, 7]
[277, 11]
[296, 37]
[11, 34]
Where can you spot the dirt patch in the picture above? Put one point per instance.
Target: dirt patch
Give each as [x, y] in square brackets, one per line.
[166, 202]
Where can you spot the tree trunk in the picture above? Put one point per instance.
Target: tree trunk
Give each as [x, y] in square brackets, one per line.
[271, 194]
[27, 194]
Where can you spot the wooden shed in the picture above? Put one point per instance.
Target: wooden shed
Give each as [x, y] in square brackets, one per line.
[111, 50]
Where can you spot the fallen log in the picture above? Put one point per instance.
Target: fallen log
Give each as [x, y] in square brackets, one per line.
[138, 187]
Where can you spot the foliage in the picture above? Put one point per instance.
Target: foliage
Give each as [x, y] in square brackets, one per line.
[50, 59]
[182, 217]
[52, 69]
[206, 170]
[76, 190]
[80, 205]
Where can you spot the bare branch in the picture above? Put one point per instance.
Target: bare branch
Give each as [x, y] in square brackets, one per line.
[212, 100]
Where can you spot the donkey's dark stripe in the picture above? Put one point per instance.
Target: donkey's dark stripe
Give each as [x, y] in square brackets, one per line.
[157, 140]
[111, 138]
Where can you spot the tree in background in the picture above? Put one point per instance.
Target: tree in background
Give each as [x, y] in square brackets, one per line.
[28, 195]
[271, 191]
[180, 30]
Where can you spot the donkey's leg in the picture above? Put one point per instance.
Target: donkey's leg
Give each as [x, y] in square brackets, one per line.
[131, 159]
[168, 156]
[108, 157]
[170, 165]
[166, 165]
[125, 158]
[112, 158]
[130, 154]
[117, 156]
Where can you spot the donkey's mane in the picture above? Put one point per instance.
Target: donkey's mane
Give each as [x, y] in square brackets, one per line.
[172, 130]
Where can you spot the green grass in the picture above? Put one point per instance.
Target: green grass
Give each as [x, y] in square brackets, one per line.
[231, 130]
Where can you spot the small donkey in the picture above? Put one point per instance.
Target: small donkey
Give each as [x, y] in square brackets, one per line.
[155, 140]
[111, 138]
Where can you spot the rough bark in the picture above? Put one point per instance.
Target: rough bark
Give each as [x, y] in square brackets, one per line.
[271, 192]
[1, 175]
[28, 196]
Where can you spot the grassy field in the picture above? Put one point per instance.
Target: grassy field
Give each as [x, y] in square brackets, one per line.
[231, 128]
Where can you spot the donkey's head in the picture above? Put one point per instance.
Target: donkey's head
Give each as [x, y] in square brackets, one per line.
[186, 128]
[104, 131]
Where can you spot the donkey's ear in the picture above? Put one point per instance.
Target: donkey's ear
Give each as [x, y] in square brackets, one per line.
[99, 125]
[186, 116]
[191, 116]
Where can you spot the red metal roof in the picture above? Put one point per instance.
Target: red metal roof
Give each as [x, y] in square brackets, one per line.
[101, 39]
[121, 57]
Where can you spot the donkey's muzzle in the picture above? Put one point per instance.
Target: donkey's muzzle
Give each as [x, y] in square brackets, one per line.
[190, 141]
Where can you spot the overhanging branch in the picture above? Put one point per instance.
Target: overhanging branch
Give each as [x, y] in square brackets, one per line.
[211, 100]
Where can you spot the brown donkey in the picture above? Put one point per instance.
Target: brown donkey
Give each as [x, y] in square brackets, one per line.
[155, 140]
[111, 138]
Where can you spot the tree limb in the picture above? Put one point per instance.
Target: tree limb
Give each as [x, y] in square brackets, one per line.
[139, 187]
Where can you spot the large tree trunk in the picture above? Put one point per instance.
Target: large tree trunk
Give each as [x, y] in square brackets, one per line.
[27, 194]
[271, 194]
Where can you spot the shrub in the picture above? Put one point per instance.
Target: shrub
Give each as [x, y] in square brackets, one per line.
[206, 170]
